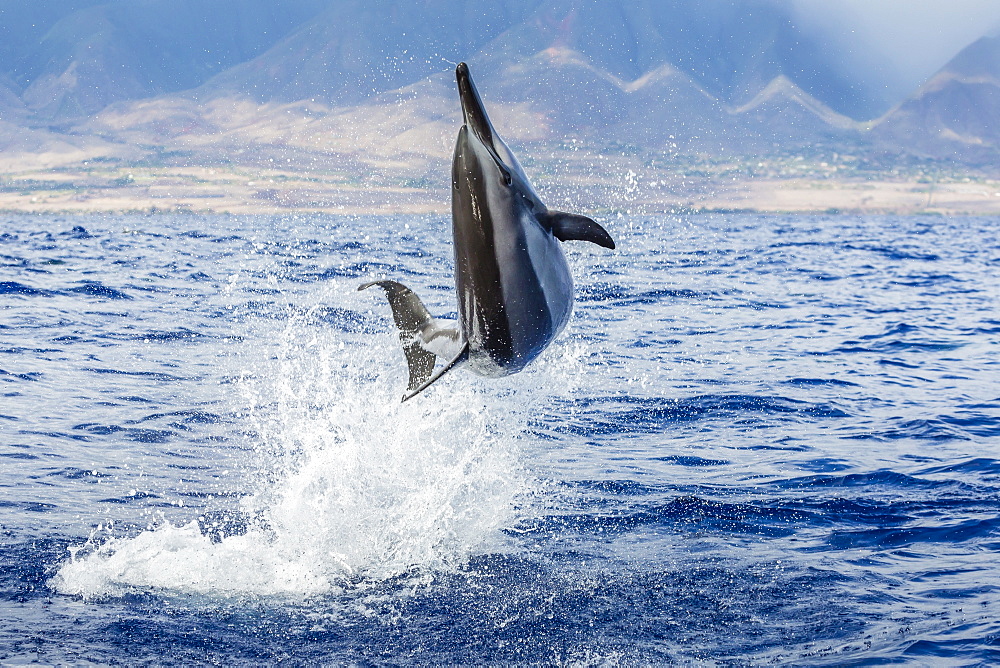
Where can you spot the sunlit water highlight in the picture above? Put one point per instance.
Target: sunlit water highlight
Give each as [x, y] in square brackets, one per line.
[761, 439]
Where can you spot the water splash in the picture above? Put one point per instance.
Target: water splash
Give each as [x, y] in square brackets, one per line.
[351, 484]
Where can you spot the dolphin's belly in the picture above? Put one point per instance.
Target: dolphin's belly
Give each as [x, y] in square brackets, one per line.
[515, 302]
[554, 280]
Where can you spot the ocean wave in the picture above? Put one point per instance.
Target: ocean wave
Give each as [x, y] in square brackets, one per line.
[95, 289]
[927, 532]
[629, 415]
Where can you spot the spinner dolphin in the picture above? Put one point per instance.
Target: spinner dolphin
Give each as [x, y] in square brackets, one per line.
[515, 292]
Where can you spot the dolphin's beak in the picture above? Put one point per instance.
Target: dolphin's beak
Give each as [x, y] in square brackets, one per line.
[473, 111]
[474, 115]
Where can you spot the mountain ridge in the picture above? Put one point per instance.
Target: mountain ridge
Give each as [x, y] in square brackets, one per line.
[609, 72]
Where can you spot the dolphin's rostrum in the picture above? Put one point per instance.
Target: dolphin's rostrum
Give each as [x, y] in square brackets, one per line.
[514, 288]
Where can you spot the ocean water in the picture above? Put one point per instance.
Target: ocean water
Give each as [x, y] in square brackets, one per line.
[761, 440]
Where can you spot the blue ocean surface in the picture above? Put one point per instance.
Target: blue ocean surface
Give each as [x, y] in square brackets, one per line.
[761, 440]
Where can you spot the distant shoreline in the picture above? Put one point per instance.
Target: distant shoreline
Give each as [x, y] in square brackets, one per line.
[576, 180]
[289, 196]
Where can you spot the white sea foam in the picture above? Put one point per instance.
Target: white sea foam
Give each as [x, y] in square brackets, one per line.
[352, 484]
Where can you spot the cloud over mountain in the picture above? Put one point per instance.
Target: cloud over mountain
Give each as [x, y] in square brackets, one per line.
[957, 112]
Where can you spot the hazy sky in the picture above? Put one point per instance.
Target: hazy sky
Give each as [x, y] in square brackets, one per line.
[916, 37]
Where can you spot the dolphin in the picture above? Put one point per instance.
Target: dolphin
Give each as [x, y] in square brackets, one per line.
[515, 292]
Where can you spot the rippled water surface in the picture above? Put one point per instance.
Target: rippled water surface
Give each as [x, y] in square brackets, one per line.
[761, 439]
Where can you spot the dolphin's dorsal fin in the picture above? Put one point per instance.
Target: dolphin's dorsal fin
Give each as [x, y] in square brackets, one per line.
[574, 227]
[416, 327]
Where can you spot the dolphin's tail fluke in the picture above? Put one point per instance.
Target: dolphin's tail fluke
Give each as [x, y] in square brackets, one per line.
[423, 339]
[462, 356]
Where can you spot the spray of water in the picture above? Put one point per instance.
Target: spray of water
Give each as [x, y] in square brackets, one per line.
[352, 484]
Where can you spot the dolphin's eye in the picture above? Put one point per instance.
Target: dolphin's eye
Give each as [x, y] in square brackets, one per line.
[507, 178]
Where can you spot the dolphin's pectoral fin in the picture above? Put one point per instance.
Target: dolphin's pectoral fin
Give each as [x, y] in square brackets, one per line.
[414, 323]
[459, 358]
[574, 227]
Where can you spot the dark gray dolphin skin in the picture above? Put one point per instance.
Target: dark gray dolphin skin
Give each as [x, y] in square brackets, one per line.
[515, 292]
